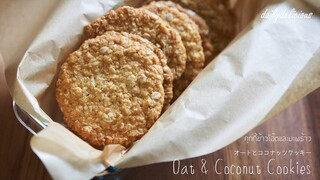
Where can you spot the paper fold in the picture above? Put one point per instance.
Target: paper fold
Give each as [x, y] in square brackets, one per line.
[61, 151]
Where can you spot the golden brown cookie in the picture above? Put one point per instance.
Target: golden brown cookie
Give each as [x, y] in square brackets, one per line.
[110, 90]
[167, 74]
[218, 17]
[203, 29]
[205, 35]
[147, 25]
[191, 39]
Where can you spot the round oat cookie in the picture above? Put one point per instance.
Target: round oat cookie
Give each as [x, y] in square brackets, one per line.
[167, 74]
[110, 90]
[205, 36]
[219, 19]
[203, 29]
[147, 25]
[191, 39]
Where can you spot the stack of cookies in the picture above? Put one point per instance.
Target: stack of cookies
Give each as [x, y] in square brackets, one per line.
[135, 63]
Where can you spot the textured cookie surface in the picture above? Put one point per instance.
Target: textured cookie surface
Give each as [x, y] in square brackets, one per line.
[110, 90]
[191, 39]
[203, 29]
[218, 17]
[167, 74]
[205, 35]
[148, 26]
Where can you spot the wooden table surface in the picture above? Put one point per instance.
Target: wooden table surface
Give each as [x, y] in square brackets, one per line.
[286, 160]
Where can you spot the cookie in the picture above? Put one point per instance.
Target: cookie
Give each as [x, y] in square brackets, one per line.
[191, 39]
[205, 35]
[203, 29]
[167, 74]
[110, 90]
[147, 25]
[218, 17]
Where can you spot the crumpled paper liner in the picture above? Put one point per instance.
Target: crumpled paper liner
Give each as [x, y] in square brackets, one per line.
[59, 156]
[267, 67]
